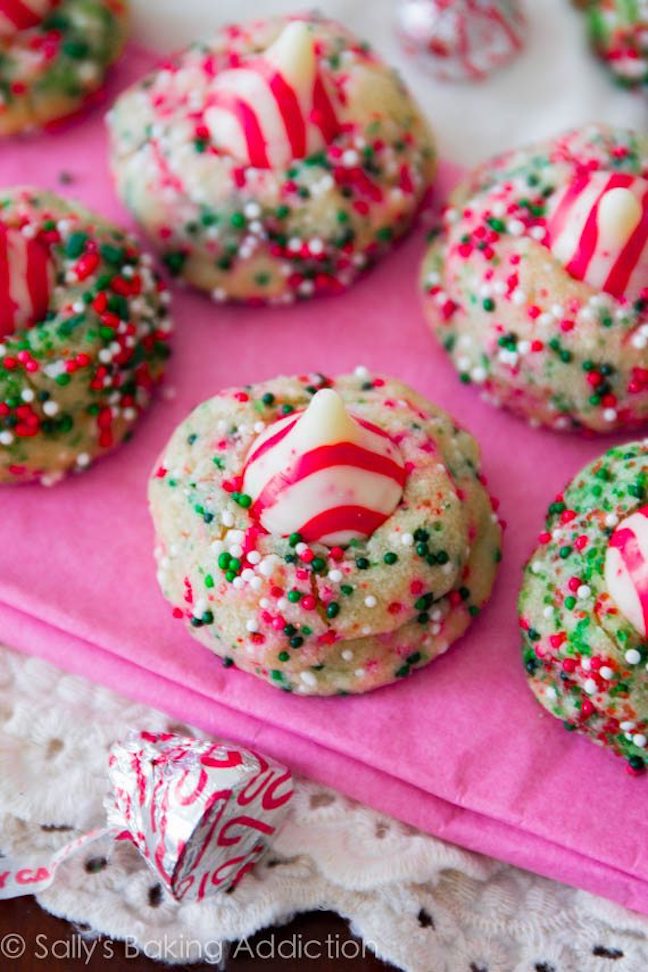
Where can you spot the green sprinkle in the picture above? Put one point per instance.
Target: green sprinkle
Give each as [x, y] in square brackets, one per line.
[294, 596]
[209, 580]
[283, 656]
[390, 558]
[224, 560]
[362, 563]
[75, 245]
[332, 610]
[488, 304]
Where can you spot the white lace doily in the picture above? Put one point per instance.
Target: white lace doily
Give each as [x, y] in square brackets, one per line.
[424, 905]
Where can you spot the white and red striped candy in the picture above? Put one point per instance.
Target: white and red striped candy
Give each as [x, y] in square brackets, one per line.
[17, 15]
[626, 569]
[598, 230]
[26, 280]
[275, 108]
[323, 473]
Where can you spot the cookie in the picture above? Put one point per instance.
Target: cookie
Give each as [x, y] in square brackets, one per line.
[618, 31]
[537, 285]
[84, 333]
[329, 536]
[54, 56]
[274, 161]
[584, 605]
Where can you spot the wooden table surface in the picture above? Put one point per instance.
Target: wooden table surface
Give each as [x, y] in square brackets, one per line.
[33, 941]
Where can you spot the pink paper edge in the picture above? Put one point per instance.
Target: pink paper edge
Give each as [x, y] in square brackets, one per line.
[464, 827]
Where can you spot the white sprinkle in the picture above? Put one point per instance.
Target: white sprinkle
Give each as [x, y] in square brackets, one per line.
[256, 583]
[536, 567]
[359, 672]
[551, 693]
[267, 566]
[6, 438]
[584, 591]
[83, 459]
[27, 395]
[252, 625]
[515, 227]
[335, 575]
[611, 520]
[640, 740]
[407, 539]
[547, 611]
[632, 656]
[590, 686]
[628, 726]
[586, 664]
[361, 372]
[254, 557]
[227, 518]
[308, 678]
[610, 414]
[370, 601]
[236, 550]
[606, 672]
[347, 655]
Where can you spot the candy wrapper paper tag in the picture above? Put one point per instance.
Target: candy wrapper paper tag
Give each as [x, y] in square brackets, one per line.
[202, 813]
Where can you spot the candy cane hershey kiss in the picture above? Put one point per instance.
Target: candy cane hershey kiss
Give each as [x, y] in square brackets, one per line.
[626, 569]
[598, 230]
[201, 813]
[323, 473]
[275, 107]
[18, 15]
[26, 279]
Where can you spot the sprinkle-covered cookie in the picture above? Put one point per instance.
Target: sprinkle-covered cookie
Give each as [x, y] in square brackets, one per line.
[84, 328]
[619, 33]
[329, 536]
[53, 55]
[274, 161]
[537, 286]
[584, 605]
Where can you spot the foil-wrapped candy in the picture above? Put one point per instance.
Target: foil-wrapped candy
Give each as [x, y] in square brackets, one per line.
[202, 813]
[461, 40]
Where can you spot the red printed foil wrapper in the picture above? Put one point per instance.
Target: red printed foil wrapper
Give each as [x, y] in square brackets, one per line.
[202, 813]
[461, 40]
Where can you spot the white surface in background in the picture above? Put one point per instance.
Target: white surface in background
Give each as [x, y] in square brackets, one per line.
[556, 83]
